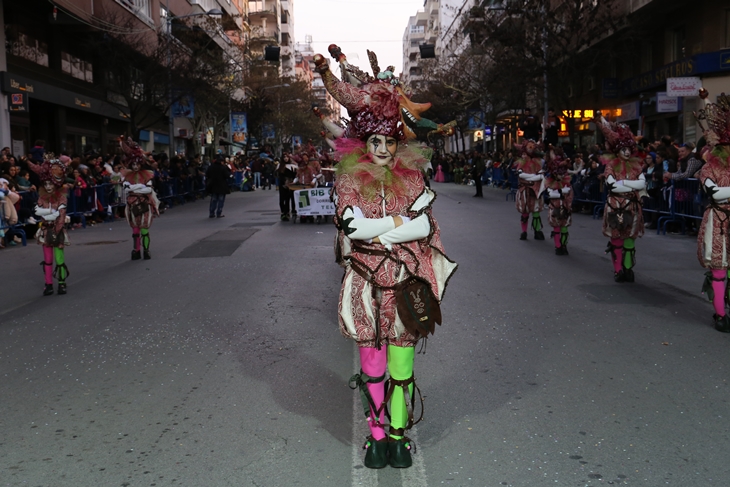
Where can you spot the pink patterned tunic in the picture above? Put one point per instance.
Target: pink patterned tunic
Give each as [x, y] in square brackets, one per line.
[527, 200]
[53, 201]
[367, 305]
[140, 208]
[712, 239]
[622, 216]
[561, 214]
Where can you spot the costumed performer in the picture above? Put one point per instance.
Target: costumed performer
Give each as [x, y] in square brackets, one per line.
[712, 239]
[142, 203]
[51, 210]
[560, 194]
[623, 220]
[396, 270]
[529, 170]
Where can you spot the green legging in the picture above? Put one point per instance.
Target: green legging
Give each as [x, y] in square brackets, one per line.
[629, 244]
[145, 232]
[61, 269]
[400, 367]
[536, 221]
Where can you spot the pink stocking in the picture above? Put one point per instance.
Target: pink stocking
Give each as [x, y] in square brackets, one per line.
[556, 236]
[719, 288]
[48, 264]
[135, 237]
[373, 363]
[618, 255]
[525, 217]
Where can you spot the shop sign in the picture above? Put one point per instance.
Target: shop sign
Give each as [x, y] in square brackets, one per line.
[314, 202]
[18, 102]
[687, 86]
[629, 111]
[610, 87]
[666, 103]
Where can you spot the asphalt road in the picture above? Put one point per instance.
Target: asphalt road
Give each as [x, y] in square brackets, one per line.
[219, 361]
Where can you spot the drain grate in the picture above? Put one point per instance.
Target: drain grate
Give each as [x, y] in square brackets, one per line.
[220, 244]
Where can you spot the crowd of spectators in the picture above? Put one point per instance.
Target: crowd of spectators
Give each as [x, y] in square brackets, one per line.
[667, 166]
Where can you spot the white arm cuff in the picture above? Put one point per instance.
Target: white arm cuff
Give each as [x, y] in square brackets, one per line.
[721, 192]
[415, 229]
[367, 228]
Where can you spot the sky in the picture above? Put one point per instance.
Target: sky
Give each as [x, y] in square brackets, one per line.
[356, 26]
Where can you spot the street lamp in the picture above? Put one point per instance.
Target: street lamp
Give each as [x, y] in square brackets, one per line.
[169, 19]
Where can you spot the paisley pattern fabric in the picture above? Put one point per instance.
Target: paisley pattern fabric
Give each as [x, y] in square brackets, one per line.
[526, 199]
[140, 208]
[367, 305]
[560, 209]
[712, 239]
[622, 215]
[53, 234]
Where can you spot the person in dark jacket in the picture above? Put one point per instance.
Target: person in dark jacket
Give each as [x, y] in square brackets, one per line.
[38, 151]
[216, 184]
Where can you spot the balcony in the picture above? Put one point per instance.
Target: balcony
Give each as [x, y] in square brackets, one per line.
[263, 8]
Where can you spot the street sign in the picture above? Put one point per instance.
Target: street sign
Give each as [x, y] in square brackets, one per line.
[18, 102]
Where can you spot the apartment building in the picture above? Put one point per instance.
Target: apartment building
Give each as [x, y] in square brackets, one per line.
[305, 53]
[53, 87]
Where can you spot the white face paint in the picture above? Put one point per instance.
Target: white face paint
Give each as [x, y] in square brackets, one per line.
[382, 148]
[48, 185]
[624, 153]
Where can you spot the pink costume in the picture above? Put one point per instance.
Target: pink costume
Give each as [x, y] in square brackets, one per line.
[560, 194]
[623, 221]
[527, 200]
[387, 239]
[439, 178]
[712, 239]
[51, 210]
[142, 204]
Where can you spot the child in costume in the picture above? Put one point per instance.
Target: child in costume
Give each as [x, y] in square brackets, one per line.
[390, 246]
[560, 192]
[529, 170]
[51, 210]
[142, 203]
[712, 239]
[623, 220]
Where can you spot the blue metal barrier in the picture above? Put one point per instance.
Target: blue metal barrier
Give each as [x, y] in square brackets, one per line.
[684, 202]
[514, 183]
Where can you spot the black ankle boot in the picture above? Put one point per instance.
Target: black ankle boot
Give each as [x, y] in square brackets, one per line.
[539, 235]
[619, 276]
[61, 288]
[399, 453]
[376, 454]
[722, 323]
[136, 255]
[523, 236]
[147, 255]
[629, 275]
[48, 290]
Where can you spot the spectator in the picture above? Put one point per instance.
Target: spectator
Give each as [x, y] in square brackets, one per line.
[688, 164]
[553, 126]
[257, 167]
[38, 151]
[530, 126]
[216, 185]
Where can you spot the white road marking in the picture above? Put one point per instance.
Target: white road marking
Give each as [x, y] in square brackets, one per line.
[416, 475]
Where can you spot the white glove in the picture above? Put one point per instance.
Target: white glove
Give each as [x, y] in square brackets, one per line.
[423, 201]
[367, 228]
[718, 193]
[411, 230]
[618, 186]
[566, 189]
[40, 211]
[636, 184]
[531, 177]
[553, 193]
[52, 216]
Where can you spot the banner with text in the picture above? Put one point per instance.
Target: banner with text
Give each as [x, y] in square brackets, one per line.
[314, 202]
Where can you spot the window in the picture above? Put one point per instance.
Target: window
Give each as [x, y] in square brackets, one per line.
[76, 67]
[647, 57]
[141, 7]
[417, 29]
[31, 49]
[678, 48]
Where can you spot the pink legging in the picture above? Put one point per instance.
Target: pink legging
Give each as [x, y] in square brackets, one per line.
[524, 220]
[719, 288]
[618, 256]
[373, 363]
[48, 264]
[135, 238]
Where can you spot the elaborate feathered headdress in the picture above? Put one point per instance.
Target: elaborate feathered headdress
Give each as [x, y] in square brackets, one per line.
[556, 165]
[133, 151]
[715, 121]
[45, 170]
[618, 135]
[376, 104]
